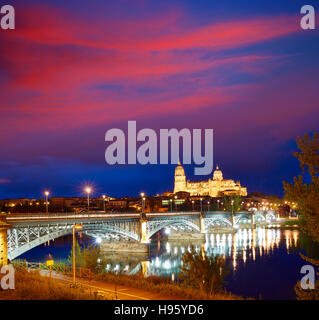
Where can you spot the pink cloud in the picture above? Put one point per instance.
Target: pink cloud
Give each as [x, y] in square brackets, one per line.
[4, 181]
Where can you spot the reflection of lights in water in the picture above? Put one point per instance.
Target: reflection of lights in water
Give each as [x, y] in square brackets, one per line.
[167, 231]
[167, 264]
[244, 255]
[243, 246]
[98, 240]
[295, 235]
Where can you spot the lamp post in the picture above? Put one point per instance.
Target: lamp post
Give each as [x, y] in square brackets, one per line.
[175, 203]
[208, 206]
[193, 202]
[143, 201]
[103, 202]
[76, 227]
[218, 203]
[201, 204]
[232, 206]
[88, 190]
[171, 204]
[46, 193]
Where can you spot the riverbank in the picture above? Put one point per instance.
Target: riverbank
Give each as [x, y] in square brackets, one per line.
[33, 286]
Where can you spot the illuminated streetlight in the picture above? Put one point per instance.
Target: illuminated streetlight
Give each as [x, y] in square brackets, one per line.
[88, 190]
[218, 203]
[76, 227]
[175, 203]
[171, 204]
[201, 204]
[143, 201]
[193, 204]
[208, 206]
[46, 193]
[104, 202]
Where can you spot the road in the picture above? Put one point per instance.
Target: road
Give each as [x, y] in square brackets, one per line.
[111, 291]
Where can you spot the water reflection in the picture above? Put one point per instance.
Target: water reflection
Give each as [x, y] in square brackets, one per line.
[240, 247]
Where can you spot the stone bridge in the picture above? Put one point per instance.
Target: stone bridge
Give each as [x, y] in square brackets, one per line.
[28, 231]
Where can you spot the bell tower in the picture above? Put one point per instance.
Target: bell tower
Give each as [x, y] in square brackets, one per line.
[180, 179]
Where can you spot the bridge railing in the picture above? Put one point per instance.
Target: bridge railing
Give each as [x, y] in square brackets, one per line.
[58, 268]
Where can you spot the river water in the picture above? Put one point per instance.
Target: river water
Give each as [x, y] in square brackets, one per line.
[263, 263]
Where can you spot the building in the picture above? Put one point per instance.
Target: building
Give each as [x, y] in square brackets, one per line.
[216, 187]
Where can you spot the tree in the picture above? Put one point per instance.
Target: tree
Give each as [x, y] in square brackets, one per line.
[228, 203]
[203, 272]
[79, 262]
[92, 260]
[306, 195]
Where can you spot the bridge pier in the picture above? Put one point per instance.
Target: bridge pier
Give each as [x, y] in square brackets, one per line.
[253, 218]
[4, 226]
[233, 220]
[202, 224]
[143, 231]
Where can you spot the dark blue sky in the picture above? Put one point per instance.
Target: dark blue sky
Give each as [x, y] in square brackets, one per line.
[72, 70]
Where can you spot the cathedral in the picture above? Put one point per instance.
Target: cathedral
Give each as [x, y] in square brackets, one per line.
[216, 187]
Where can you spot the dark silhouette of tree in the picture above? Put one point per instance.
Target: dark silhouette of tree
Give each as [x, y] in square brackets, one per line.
[306, 195]
[203, 272]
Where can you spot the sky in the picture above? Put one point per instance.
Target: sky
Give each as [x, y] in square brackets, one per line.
[71, 70]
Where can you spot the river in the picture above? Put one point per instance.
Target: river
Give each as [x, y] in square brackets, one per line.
[262, 263]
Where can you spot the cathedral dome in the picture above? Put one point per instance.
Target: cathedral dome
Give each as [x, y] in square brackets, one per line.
[218, 175]
[179, 170]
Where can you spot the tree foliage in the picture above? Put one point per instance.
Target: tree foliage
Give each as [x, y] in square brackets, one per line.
[306, 195]
[78, 255]
[203, 272]
[228, 203]
[87, 257]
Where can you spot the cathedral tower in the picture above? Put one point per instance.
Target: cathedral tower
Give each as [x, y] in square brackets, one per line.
[180, 179]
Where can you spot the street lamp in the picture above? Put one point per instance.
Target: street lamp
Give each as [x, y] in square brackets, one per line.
[103, 202]
[232, 206]
[171, 204]
[201, 204]
[76, 227]
[88, 190]
[193, 204]
[175, 203]
[218, 203]
[208, 206]
[143, 201]
[46, 193]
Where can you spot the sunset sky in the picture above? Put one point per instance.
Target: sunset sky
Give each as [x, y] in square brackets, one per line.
[74, 69]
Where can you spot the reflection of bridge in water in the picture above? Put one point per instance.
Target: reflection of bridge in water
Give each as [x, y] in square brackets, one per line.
[29, 231]
[239, 247]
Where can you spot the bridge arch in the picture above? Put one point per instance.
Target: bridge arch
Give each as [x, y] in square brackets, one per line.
[155, 226]
[211, 220]
[21, 240]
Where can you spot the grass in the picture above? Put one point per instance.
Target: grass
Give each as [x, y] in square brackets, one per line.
[163, 286]
[32, 286]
